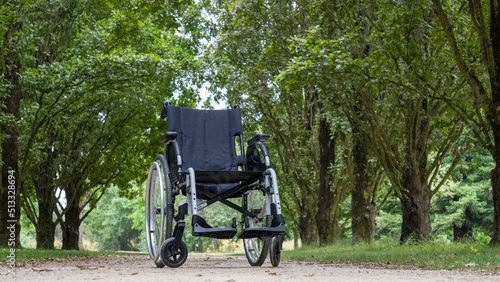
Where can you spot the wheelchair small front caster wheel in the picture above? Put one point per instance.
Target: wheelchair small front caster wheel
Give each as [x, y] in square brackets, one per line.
[275, 252]
[172, 254]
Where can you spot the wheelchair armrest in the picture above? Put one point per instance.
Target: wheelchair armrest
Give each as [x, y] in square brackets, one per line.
[168, 137]
[258, 138]
[256, 161]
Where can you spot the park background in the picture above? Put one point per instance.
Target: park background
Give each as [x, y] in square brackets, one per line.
[384, 116]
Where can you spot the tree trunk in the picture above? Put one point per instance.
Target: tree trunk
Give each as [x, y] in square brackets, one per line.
[495, 185]
[325, 220]
[11, 214]
[362, 210]
[494, 115]
[199, 246]
[295, 240]
[43, 176]
[415, 203]
[495, 173]
[72, 222]
[71, 228]
[45, 229]
[463, 233]
[307, 227]
[119, 244]
[216, 244]
[416, 193]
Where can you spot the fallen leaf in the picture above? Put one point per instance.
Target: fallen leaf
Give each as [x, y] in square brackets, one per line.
[273, 273]
[309, 275]
[135, 273]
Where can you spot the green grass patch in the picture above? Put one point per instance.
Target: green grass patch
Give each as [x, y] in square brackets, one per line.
[28, 254]
[419, 255]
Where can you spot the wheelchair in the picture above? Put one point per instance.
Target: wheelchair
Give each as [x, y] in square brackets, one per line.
[204, 161]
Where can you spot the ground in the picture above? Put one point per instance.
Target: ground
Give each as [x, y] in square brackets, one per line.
[222, 268]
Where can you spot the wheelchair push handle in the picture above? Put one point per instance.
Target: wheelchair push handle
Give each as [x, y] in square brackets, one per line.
[258, 138]
[164, 110]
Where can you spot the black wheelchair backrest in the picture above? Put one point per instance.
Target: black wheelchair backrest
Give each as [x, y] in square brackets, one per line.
[206, 138]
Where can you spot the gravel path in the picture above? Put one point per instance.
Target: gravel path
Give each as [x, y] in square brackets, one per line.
[221, 268]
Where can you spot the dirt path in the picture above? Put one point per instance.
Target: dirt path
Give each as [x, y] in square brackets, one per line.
[221, 268]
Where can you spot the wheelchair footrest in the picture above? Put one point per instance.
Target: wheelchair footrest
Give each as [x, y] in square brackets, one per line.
[203, 229]
[257, 232]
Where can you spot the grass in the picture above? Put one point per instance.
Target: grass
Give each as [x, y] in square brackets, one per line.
[428, 255]
[29, 254]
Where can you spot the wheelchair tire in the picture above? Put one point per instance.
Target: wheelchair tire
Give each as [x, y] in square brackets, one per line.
[172, 255]
[256, 249]
[159, 208]
[275, 251]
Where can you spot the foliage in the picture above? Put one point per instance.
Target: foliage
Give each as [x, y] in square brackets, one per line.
[383, 74]
[112, 223]
[471, 192]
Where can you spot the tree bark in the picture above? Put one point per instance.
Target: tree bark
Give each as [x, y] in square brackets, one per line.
[307, 227]
[118, 244]
[494, 114]
[416, 193]
[295, 240]
[72, 222]
[362, 209]
[45, 228]
[216, 244]
[325, 219]
[463, 233]
[415, 206]
[43, 176]
[10, 159]
[415, 202]
[494, 117]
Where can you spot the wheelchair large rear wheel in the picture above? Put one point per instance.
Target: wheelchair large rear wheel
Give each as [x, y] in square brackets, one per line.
[256, 249]
[159, 208]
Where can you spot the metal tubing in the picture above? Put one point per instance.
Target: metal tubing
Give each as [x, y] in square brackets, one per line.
[191, 192]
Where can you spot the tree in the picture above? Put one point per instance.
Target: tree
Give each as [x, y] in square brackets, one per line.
[92, 79]
[485, 94]
[466, 204]
[111, 224]
[383, 72]
[302, 130]
[10, 97]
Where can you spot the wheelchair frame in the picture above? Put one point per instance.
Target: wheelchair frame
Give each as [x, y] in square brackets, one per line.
[167, 179]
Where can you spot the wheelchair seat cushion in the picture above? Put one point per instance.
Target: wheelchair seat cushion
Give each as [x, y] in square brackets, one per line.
[213, 183]
[208, 191]
[221, 177]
